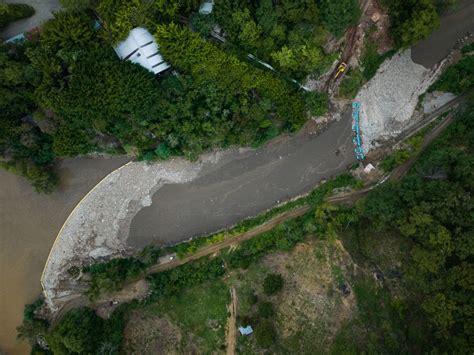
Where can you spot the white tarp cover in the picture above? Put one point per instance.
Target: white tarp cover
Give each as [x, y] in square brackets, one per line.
[140, 47]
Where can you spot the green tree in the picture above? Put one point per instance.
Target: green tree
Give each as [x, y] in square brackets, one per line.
[338, 15]
[12, 12]
[265, 309]
[412, 20]
[79, 332]
[272, 284]
[265, 334]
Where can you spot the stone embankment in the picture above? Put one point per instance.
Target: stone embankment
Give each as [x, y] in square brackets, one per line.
[97, 228]
[389, 100]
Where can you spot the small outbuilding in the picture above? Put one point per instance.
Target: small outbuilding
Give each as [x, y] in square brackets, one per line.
[140, 47]
[206, 7]
[246, 330]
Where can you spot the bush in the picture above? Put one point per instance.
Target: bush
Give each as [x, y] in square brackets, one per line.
[457, 78]
[265, 334]
[112, 275]
[202, 24]
[351, 84]
[338, 15]
[371, 60]
[272, 284]
[412, 20]
[12, 12]
[316, 103]
[265, 309]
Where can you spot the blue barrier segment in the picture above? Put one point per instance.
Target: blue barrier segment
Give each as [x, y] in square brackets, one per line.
[359, 152]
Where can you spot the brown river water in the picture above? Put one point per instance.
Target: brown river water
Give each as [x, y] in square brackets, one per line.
[29, 223]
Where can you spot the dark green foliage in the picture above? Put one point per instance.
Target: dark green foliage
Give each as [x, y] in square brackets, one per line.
[468, 48]
[371, 60]
[412, 20]
[111, 276]
[265, 309]
[338, 15]
[12, 12]
[457, 78]
[202, 23]
[265, 334]
[68, 29]
[189, 53]
[79, 332]
[287, 34]
[272, 284]
[26, 150]
[316, 103]
[351, 83]
[432, 208]
[172, 281]
[30, 309]
[252, 297]
[32, 327]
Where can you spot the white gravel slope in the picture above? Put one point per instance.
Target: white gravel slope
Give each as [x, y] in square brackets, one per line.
[98, 225]
[388, 101]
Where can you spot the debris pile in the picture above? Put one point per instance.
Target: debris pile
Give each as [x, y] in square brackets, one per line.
[388, 101]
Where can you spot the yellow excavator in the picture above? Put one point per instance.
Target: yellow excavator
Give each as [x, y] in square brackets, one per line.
[340, 70]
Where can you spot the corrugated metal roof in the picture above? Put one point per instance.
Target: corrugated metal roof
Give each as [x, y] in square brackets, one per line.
[140, 47]
[246, 331]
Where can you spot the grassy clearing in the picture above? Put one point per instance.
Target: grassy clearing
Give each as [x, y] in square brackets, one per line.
[309, 309]
[200, 311]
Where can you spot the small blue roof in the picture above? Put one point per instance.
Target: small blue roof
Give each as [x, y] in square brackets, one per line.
[246, 331]
[206, 7]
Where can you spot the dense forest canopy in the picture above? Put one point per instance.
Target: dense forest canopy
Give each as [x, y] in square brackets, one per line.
[67, 93]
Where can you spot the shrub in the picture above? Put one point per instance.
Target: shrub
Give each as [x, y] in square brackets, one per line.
[265, 309]
[202, 24]
[265, 334]
[351, 84]
[316, 103]
[457, 78]
[272, 284]
[339, 14]
[12, 12]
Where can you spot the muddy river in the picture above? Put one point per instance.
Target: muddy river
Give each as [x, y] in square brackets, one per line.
[29, 223]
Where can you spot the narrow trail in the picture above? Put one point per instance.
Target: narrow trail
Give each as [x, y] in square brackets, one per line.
[231, 330]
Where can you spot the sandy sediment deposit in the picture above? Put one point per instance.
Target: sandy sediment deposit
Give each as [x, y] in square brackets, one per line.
[98, 227]
[388, 101]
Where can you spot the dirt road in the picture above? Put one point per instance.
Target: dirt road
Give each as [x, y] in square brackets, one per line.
[231, 331]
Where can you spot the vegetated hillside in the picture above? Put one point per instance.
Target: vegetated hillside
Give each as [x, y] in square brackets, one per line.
[65, 92]
[401, 281]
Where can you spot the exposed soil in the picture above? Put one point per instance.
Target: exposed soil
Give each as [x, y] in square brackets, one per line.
[149, 334]
[231, 328]
[105, 306]
[317, 297]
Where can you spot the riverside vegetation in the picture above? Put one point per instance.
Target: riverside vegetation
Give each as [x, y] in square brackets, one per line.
[414, 235]
[64, 92]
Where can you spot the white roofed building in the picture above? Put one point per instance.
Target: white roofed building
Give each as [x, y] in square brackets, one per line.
[140, 47]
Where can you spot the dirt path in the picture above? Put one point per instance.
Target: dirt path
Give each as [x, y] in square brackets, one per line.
[214, 248]
[232, 323]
